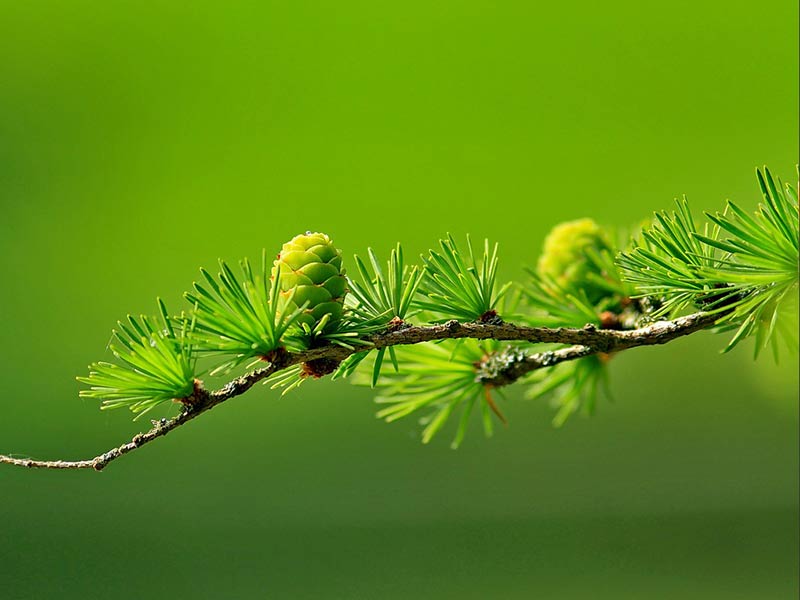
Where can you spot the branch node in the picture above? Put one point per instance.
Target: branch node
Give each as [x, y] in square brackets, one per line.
[490, 317]
[397, 324]
[320, 367]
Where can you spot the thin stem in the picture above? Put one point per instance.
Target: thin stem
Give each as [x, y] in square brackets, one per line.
[586, 342]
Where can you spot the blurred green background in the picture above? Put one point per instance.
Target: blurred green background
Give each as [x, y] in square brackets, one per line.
[142, 140]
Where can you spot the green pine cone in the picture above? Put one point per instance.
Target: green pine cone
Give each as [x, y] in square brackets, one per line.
[311, 266]
[564, 257]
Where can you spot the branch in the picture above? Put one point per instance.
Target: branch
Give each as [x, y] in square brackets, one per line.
[586, 341]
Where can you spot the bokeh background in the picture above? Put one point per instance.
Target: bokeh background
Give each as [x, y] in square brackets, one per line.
[142, 140]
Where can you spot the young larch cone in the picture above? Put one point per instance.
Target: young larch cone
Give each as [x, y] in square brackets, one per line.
[564, 258]
[311, 266]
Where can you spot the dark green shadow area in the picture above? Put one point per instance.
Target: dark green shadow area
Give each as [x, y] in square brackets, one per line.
[732, 555]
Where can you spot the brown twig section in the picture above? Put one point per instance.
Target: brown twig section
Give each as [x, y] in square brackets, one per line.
[585, 342]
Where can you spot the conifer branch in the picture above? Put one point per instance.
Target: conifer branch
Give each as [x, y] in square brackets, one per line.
[302, 317]
[586, 341]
